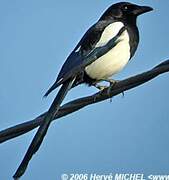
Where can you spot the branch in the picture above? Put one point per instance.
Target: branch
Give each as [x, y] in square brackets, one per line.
[78, 104]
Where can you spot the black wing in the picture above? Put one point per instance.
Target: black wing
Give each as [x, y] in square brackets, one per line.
[85, 53]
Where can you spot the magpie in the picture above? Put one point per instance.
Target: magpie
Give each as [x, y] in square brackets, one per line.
[104, 50]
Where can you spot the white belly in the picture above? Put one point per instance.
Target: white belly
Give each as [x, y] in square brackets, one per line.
[112, 62]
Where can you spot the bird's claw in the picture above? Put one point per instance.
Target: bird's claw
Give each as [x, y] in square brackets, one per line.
[101, 88]
[112, 83]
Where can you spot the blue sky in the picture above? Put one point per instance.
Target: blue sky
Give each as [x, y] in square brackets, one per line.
[129, 135]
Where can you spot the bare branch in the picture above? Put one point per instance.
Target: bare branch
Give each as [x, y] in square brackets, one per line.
[77, 104]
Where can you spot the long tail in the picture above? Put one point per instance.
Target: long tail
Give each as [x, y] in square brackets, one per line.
[39, 136]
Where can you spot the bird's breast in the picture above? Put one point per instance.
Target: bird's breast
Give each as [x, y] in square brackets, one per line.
[113, 61]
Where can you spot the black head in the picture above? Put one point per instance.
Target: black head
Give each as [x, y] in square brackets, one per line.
[124, 11]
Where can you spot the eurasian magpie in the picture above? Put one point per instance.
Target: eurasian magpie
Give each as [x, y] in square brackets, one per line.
[103, 51]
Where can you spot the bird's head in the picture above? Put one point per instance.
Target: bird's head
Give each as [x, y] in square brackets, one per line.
[125, 11]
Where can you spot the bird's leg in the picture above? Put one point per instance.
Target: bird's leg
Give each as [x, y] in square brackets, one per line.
[112, 83]
[100, 87]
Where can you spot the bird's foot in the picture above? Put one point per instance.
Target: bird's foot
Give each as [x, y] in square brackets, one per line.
[100, 87]
[112, 82]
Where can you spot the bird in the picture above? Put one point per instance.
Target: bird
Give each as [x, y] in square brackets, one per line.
[104, 50]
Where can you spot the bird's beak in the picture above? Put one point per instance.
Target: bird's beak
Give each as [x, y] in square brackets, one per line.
[141, 10]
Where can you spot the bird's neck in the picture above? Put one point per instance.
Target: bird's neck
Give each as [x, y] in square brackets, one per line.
[130, 20]
[134, 37]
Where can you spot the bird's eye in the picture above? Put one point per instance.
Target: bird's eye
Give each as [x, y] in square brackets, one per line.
[125, 8]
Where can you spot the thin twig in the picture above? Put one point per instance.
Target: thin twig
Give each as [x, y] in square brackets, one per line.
[77, 104]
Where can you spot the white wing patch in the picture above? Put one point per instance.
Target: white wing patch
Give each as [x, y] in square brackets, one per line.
[114, 60]
[109, 32]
